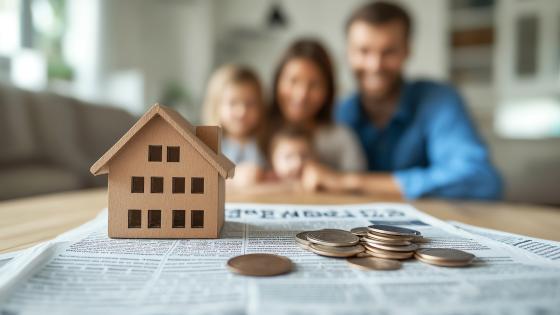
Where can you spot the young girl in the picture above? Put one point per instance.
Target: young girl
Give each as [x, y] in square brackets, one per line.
[234, 100]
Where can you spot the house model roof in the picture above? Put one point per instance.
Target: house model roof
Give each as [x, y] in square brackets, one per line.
[222, 164]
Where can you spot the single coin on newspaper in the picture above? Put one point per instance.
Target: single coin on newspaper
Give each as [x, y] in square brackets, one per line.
[260, 264]
[373, 263]
[333, 238]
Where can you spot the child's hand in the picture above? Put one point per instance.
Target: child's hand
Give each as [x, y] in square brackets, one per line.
[247, 174]
[316, 176]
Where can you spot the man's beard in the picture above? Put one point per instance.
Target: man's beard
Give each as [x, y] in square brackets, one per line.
[382, 97]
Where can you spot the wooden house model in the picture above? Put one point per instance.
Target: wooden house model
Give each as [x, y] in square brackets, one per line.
[166, 179]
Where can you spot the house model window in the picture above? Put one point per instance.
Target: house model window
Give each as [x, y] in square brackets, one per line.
[178, 185]
[154, 219]
[178, 219]
[134, 219]
[197, 185]
[137, 185]
[154, 153]
[197, 219]
[173, 154]
[156, 186]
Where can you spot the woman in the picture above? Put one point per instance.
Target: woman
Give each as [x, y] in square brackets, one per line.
[303, 94]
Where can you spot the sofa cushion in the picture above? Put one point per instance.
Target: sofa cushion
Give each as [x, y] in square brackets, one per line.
[55, 121]
[17, 133]
[28, 180]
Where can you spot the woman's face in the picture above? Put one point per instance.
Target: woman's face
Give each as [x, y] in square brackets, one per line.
[301, 91]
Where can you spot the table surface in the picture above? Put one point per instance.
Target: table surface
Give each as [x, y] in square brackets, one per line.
[28, 221]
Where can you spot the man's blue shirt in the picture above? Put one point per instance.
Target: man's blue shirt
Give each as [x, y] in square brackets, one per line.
[430, 144]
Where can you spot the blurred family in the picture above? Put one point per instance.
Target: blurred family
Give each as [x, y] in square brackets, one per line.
[392, 137]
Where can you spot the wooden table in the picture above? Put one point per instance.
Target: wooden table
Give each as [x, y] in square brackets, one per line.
[25, 222]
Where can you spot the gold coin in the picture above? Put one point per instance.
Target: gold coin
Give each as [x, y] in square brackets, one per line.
[359, 231]
[373, 263]
[384, 241]
[392, 230]
[387, 254]
[336, 251]
[301, 238]
[444, 257]
[394, 248]
[260, 264]
[333, 238]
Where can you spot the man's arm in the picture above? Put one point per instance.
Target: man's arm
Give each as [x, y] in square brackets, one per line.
[319, 177]
[459, 163]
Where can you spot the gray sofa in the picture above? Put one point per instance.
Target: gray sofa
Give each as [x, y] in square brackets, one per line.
[48, 142]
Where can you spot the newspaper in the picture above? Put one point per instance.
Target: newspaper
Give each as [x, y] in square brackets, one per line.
[6, 257]
[85, 272]
[544, 249]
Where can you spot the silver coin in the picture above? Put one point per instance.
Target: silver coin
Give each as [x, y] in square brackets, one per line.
[392, 230]
[333, 238]
[373, 263]
[387, 254]
[444, 257]
[389, 237]
[394, 248]
[359, 231]
[382, 240]
[301, 238]
[336, 251]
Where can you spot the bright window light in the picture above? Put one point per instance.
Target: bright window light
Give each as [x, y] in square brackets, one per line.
[529, 118]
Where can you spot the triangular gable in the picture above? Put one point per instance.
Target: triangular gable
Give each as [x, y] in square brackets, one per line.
[222, 164]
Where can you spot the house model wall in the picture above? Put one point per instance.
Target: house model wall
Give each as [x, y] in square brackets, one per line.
[166, 179]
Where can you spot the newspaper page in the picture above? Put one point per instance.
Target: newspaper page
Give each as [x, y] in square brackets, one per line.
[86, 272]
[6, 257]
[545, 249]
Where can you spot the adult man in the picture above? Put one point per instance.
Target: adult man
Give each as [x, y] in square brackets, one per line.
[417, 135]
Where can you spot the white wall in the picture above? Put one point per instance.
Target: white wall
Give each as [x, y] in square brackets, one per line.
[142, 45]
[127, 50]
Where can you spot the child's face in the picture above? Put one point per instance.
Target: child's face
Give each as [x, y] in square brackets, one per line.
[240, 109]
[289, 156]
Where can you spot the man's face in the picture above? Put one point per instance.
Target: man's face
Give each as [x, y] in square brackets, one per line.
[377, 54]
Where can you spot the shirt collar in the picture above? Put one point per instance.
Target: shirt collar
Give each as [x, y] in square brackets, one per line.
[405, 109]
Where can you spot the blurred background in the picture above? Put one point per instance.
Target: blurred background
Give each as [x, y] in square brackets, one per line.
[75, 75]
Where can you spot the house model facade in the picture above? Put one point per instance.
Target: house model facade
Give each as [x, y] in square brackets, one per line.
[166, 179]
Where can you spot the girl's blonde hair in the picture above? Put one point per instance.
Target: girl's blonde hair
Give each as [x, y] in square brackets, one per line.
[220, 80]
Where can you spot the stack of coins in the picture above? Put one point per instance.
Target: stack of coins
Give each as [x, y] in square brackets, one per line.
[388, 242]
[379, 247]
[330, 242]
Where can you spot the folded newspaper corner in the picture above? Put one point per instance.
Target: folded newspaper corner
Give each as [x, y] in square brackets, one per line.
[83, 271]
